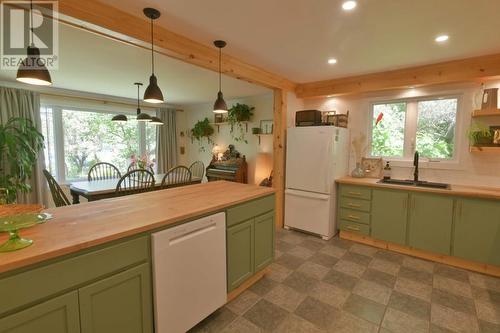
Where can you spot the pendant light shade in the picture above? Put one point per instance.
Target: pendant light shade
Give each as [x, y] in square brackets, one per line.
[32, 69]
[144, 117]
[156, 121]
[220, 105]
[153, 93]
[119, 118]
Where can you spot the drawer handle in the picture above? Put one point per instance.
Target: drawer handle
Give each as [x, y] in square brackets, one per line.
[352, 228]
[353, 217]
[350, 204]
[354, 193]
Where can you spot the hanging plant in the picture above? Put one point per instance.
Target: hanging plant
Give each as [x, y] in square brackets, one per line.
[202, 129]
[237, 114]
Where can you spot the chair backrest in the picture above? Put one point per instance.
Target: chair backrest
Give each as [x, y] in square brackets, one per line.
[135, 166]
[175, 177]
[136, 181]
[197, 169]
[60, 199]
[103, 170]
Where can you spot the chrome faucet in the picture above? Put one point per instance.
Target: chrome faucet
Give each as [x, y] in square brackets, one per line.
[415, 164]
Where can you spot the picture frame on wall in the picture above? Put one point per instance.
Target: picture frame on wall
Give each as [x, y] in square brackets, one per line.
[266, 126]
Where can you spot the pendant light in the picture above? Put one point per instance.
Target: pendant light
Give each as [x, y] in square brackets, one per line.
[156, 121]
[119, 118]
[220, 105]
[153, 93]
[144, 117]
[32, 70]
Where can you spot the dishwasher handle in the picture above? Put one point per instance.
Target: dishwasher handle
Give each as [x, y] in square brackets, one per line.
[189, 234]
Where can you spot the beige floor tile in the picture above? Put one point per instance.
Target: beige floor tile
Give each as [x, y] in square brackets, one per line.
[452, 286]
[278, 273]
[313, 270]
[330, 294]
[373, 291]
[453, 320]
[243, 302]
[348, 323]
[318, 313]
[385, 266]
[285, 297]
[419, 264]
[364, 250]
[333, 251]
[241, 325]
[350, 268]
[301, 252]
[484, 281]
[400, 322]
[488, 312]
[413, 288]
[295, 324]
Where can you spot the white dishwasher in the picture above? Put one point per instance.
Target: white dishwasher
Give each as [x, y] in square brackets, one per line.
[189, 273]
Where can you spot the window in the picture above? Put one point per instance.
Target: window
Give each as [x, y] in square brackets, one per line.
[76, 139]
[428, 126]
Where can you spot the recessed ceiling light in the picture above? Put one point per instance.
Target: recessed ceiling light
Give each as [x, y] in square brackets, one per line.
[349, 5]
[442, 38]
[332, 61]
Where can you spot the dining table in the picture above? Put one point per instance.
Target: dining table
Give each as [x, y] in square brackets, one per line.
[94, 190]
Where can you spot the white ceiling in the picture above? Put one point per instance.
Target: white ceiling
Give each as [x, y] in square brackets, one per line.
[95, 64]
[295, 38]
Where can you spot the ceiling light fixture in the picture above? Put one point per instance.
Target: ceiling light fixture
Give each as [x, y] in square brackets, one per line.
[156, 121]
[332, 61]
[153, 93]
[144, 117]
[349, 5]
[119, 118]
[32, 70]
[220, 105]
[442, 38]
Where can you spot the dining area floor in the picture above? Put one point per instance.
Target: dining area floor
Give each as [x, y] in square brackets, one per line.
[342, 286]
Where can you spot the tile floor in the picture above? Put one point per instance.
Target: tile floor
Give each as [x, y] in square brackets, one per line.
[341, 286]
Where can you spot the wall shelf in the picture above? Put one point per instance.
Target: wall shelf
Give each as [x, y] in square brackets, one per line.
[232, 127]
[485, 149]
[486, 113]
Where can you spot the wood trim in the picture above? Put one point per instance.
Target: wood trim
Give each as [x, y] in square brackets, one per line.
[105, 20]
[247, 284]
[485, 149]
[464, 70]
[441, 258]
[279, 151]
[486, 113]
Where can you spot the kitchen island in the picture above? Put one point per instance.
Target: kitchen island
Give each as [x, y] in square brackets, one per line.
[90, 267]
[459, 226]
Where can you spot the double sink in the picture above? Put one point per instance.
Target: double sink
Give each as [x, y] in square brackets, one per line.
[418, 183]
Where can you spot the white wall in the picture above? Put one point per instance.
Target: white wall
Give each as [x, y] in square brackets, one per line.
[263, 111]
[478, 169]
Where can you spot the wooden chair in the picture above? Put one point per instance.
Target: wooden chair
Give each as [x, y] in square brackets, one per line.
[197, 169]
[134, 166]
[103, 170]
[175, 177]
[60, 199]
[135, 181]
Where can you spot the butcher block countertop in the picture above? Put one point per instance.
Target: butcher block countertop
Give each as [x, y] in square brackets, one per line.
[455, 190]
[78, 227]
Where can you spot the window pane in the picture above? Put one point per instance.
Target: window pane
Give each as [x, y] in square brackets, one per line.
[47, 118]
[91, 137]
[151, 143]
[388, 135]
[436, 128]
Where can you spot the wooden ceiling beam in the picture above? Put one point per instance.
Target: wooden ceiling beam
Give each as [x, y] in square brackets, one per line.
[95, 16]
[465, 70]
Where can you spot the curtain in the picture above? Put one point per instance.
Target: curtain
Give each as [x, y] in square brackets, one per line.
[17, 103]
[166, 140]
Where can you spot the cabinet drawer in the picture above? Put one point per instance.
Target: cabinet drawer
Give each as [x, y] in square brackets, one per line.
[356, 204]
[354, 227]
[354, 216]
[249, 210]
[355, 192]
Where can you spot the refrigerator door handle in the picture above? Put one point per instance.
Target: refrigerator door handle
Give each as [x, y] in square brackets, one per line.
[310, 195]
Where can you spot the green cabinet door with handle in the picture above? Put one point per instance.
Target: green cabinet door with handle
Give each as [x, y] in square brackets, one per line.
[389, 215]
[120, 303]
[264, 240]
[477, 230]
[57, 315]
[240, 253]
[430, 223]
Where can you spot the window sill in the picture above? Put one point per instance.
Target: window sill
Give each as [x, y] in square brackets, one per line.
[436, 165]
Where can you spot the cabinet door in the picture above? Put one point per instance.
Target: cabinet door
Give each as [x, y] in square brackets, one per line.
[430, 225]
[389, 215]
[264, 240]
[477, 231]
[121, 303]
[58, 315]
[240, 253]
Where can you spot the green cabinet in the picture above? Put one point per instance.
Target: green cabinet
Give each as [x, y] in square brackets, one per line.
[240, 253]
[389, 215]
[264, 240]
[430, 222]
[57, 315]
[477, 231]
[121, 303]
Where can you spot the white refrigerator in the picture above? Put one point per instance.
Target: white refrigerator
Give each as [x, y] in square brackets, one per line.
[316, 156]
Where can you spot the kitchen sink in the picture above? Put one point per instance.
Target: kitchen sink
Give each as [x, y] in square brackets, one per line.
[420, 183]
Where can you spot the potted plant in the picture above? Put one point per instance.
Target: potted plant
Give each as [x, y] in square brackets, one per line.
[202, 129]
[480, 135]
[20, 143]
[237, 114]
